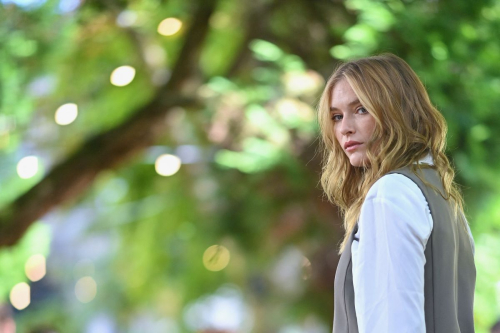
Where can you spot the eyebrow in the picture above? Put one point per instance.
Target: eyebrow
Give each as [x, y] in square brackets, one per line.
[356, 101]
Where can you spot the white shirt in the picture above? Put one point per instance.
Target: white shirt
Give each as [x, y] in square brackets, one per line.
[388, 260]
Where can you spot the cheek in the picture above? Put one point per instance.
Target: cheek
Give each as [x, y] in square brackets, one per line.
[337, 134]
[369, 126]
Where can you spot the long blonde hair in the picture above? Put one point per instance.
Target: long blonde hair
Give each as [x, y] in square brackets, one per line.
[407, 128]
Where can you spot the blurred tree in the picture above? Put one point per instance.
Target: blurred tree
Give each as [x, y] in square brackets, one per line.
[229, 87]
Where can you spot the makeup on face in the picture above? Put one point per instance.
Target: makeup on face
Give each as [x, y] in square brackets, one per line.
[353, 124]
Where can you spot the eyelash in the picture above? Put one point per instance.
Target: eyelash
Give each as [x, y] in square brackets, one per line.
[360, 108]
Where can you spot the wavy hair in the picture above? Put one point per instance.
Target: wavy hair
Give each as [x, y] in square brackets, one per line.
[407, 128]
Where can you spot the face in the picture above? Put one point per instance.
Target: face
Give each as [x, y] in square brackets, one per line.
[353, 124]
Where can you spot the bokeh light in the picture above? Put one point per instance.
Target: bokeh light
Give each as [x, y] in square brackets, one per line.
[20, 296]
[122, 76]
[216, 258]
[66, 114]
[169, 26]
[223, 311]
[167, 164]
[127, 18]
[27, 167]
[35, 267]
[298, 82]
[155, 55]
[85, 289]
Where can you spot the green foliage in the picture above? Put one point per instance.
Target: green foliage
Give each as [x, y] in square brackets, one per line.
[254, 186]
[12, 261]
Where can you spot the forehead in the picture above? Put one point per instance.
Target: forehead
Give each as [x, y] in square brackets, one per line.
[342, 95]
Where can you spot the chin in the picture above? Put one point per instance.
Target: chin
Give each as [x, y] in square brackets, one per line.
[356, 161]
[356, 164]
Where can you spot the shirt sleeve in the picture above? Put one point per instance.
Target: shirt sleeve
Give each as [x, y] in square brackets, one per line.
[388, 257]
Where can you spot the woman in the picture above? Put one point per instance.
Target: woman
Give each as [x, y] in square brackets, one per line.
[406, 260]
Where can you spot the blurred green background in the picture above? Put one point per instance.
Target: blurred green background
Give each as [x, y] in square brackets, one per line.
[159, 162]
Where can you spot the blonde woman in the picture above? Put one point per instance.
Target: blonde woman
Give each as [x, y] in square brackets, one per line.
[407, 257]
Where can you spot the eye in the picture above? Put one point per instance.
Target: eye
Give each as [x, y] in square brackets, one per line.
[361, 110]
[336, 117]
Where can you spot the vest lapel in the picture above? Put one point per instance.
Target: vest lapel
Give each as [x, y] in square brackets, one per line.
[344, 315]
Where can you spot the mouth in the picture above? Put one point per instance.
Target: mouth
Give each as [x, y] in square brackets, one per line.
[353, 147]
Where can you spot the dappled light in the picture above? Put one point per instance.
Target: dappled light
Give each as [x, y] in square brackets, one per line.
[66, 114]
[35, 267]
[85, 289]
[167, 165]
[298, 82]
[161, 160]
[20, 296]
[216, 258]
[126, 18]
[122, 76]
[27, 167]
[169, 26]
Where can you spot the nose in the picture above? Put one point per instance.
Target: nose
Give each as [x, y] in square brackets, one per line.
[347, 126]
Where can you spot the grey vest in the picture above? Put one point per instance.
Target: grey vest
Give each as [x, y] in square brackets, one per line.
[450, 273]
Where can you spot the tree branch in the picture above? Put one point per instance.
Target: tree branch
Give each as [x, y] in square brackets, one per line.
[107, 150]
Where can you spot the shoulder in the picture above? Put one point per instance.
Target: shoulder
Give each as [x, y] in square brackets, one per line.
[398, 206]
[395, 187]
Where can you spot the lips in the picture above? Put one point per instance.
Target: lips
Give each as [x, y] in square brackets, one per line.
[351, 145]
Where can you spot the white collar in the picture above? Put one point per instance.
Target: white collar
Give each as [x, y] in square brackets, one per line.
[427, 159]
